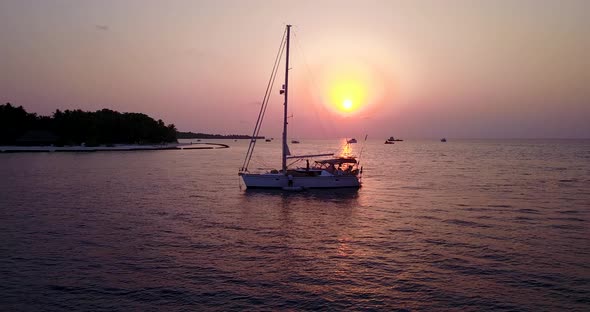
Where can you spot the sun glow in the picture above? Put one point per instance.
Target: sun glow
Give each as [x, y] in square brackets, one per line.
[347, 96]
[349, 89]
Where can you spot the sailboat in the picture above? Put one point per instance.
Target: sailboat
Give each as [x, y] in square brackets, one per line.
[327, 172]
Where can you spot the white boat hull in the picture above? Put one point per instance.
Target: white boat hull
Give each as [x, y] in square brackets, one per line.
[280, 181]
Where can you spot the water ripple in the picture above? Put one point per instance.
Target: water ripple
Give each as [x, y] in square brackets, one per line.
[462, 226]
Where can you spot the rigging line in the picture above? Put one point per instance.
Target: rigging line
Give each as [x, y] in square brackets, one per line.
[270, 85]
[263, 106]
[294, 162]
[362, 148]
[273, 78]
[268, 99]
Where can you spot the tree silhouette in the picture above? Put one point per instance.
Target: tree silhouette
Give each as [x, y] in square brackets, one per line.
[74, 127]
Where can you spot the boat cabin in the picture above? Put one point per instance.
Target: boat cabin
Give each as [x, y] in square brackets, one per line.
[338, 166]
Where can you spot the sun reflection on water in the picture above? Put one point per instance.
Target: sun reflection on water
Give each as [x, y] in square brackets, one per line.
[345, 150]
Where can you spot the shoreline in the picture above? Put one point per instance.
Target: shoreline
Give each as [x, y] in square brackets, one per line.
[114, 148]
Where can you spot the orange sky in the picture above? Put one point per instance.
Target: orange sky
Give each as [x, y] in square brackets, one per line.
[417, 69]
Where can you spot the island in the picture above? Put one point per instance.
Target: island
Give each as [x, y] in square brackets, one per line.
[192, 135]
[82, 131]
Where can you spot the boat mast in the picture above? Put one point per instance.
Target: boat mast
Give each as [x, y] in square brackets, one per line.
[286, 89]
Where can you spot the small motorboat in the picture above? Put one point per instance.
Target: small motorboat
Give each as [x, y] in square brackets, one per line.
[353, 140]
[294, 142]
[443, 139]
[389, 142]
[392, 139]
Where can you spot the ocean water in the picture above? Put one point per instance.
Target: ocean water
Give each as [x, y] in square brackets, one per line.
[463, 225]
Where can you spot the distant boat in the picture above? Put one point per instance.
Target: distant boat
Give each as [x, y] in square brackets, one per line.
[353, 140]
[443, 139]
[268, 140]
[392, 139]
[334, 172]
[389, 142]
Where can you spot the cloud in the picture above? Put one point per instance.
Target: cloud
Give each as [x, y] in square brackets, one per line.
[102, 27]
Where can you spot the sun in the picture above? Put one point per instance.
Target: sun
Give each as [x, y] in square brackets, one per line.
[347, 96]
[347, 104]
